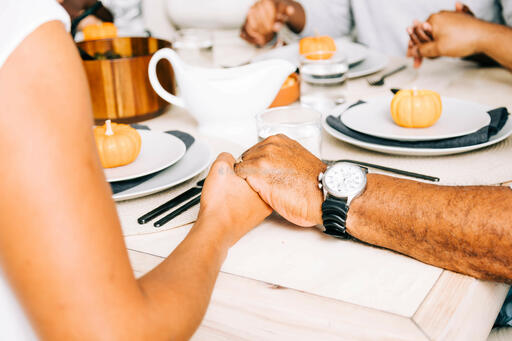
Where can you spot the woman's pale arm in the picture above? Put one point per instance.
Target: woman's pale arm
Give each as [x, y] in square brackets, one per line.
[61, 244]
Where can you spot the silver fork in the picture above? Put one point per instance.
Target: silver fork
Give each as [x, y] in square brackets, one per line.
[380, 81]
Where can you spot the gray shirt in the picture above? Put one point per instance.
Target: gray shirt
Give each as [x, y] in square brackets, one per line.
[382, 25]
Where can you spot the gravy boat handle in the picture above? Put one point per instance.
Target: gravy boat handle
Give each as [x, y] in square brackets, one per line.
[168, 54]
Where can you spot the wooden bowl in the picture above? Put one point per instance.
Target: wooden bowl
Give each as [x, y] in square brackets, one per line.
[120, 88]
[289, 93]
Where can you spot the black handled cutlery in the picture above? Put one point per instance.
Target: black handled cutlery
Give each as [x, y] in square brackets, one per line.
[171, 203]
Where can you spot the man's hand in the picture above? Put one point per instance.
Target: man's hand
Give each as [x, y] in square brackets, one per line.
[229, 203]
[456, 35]
[266, 17]
[285, 175]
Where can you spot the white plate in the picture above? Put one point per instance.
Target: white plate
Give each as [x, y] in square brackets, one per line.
[504, 133]
[355, 52]
[158, 151]
[362, 60]
[196, 160]
[458, 118]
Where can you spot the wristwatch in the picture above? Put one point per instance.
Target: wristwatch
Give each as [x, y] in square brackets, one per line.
[341, 183]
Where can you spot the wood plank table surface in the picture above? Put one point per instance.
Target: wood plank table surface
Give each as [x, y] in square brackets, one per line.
[454, 307]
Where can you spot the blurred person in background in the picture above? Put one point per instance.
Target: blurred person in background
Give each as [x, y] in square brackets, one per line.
[378, 24]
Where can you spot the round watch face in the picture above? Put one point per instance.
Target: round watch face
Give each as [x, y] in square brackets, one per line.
[344, 180]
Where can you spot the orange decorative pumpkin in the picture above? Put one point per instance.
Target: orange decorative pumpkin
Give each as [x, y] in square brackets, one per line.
[310, 45]
[100, 31]
[416, 108]
[118, 144]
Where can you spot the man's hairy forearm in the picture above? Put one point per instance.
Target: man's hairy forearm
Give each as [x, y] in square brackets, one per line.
[464, 229]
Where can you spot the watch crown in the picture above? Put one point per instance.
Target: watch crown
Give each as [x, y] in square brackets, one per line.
[320, 176]
[320, 186]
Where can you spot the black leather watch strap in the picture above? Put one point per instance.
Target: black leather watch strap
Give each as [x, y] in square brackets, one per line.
[334, 216]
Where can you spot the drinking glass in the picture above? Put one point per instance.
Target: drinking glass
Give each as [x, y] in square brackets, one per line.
[299, 123]
[195, 46]
[324, 80]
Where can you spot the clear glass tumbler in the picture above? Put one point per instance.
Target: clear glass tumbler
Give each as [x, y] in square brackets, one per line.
[299, 123]
[324, 80]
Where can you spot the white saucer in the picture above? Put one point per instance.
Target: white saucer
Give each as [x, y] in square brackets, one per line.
[504, 133]
[196, 160]
[458, 118]
[355, 52]
[158, 151]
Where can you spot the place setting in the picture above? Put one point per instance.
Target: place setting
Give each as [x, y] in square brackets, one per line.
[138, 162]
[418, 123]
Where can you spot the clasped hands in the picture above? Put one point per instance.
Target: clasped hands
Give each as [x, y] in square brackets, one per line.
[275, 174]
[447, 33]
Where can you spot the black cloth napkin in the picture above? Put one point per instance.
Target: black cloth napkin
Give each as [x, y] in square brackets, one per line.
[121, 186]
[498, 117]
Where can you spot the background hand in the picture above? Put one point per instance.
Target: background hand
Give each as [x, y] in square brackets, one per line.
[456, 34]
[229, 203]
[264, 19]
[462, 8]
[421, 33]
[75, 8]
[285, 176]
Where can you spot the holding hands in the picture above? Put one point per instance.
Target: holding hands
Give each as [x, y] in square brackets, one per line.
[228, 204]
[275, 174]
[285, 176]
[447, 33]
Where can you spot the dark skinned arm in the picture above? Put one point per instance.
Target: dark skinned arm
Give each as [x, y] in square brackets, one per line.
[464, 229]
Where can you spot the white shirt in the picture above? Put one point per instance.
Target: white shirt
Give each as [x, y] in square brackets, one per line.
[19, 18]
[208, 14]
[382, 24]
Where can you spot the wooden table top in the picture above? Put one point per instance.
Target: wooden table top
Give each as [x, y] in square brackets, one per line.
[447, 306]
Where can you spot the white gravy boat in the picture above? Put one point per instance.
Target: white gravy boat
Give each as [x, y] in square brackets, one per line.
[223, 101]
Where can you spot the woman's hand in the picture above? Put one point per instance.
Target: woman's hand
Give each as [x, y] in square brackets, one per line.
[228, 203]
